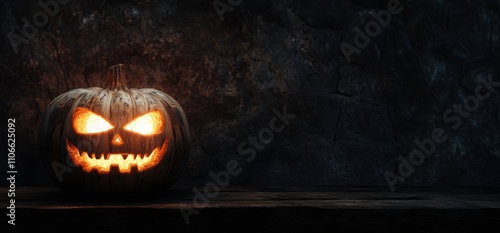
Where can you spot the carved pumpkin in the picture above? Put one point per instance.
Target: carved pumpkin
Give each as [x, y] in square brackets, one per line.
[114, 140]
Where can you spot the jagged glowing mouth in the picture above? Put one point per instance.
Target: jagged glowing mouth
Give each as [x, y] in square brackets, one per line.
[103, 162]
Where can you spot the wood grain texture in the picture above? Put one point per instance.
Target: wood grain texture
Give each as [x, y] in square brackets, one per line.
[273, 209]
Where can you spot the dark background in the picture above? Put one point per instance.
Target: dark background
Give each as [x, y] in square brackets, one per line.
[353, 119]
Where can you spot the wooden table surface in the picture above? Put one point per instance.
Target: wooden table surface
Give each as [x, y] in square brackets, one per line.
[268, 209]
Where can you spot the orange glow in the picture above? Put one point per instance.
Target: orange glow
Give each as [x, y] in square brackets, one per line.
[117, 140]
[86, 122]
[124, 161]
[148, 124]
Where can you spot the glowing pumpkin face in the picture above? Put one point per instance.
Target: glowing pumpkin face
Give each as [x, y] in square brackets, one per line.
[114, 140]
[85, 122]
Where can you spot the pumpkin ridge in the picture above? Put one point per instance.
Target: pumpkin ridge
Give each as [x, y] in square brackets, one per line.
[112, 168]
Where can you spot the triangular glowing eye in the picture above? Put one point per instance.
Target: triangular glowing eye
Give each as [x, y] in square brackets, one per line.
[148, 124]
[87, 122]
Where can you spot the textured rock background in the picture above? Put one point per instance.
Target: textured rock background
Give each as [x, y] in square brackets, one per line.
[353, 119]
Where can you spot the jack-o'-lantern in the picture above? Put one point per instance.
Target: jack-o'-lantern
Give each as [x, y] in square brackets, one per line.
[114, 140]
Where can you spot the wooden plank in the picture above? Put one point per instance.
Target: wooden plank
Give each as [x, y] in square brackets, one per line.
[243, 197]
[268, 209]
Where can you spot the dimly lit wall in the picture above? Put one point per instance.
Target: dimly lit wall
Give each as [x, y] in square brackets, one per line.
[361, 81]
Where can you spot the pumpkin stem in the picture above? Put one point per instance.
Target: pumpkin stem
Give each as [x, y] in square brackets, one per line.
[116, 78]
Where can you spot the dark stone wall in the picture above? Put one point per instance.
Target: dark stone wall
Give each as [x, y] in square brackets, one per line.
[356, 117]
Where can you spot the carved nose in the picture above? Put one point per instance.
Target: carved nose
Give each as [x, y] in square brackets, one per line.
[117, 140]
